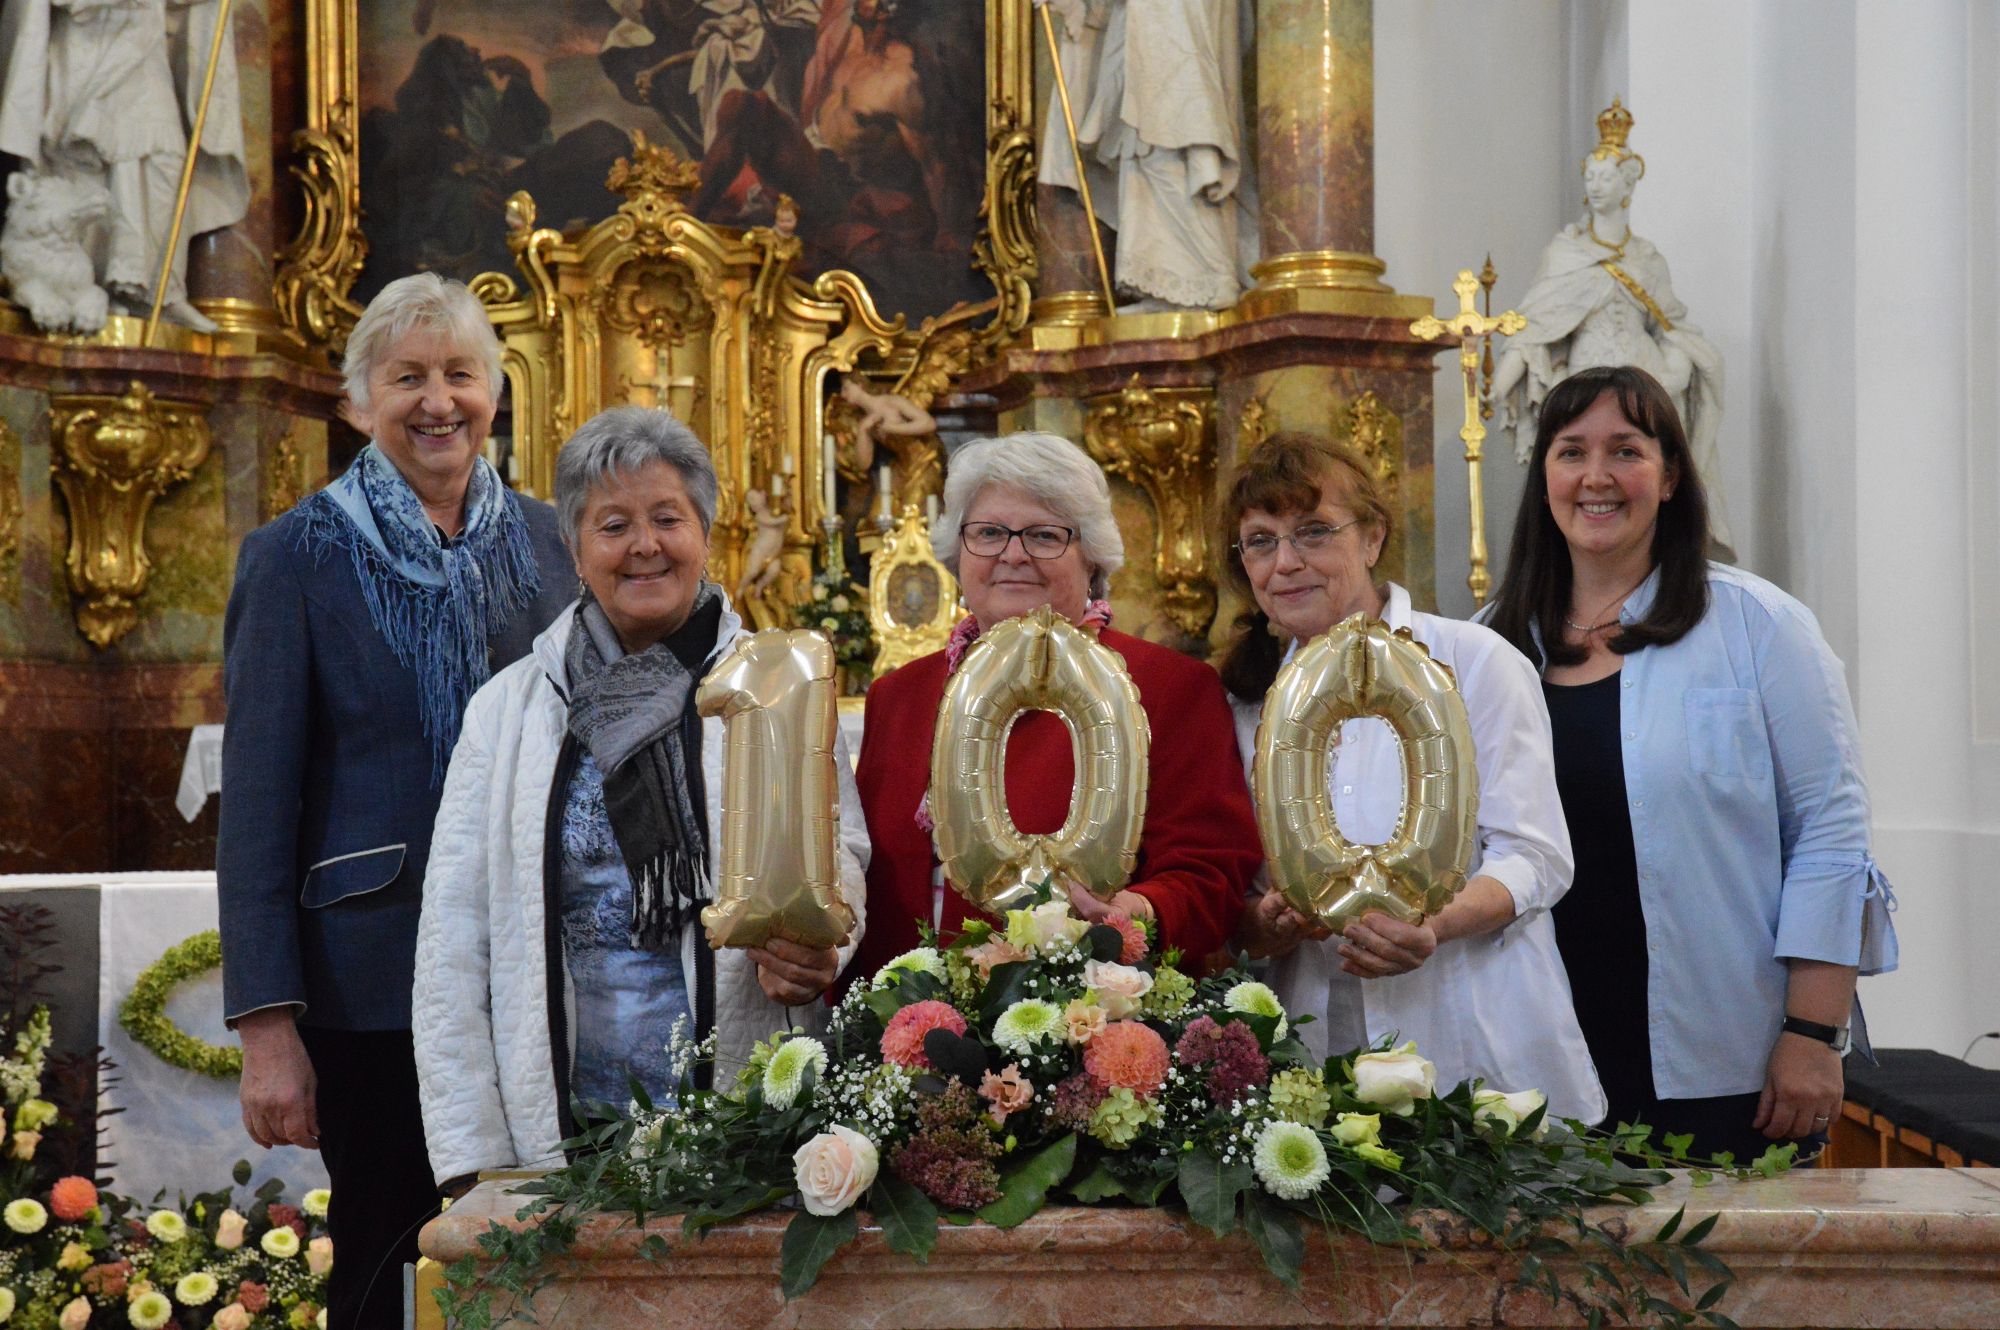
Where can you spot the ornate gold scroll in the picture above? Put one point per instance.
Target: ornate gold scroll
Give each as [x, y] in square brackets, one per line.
[1158, 438]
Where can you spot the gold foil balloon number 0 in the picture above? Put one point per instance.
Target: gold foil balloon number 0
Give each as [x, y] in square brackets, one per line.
[780, 796]
[1038, 662]
[1362, 668]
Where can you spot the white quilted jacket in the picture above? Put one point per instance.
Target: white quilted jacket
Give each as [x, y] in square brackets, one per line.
[480, 1009]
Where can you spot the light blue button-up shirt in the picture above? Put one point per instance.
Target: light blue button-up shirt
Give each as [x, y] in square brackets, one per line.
[1750, 819]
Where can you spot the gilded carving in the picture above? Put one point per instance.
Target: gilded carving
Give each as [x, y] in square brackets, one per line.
[112, 457]
[10, 512]
[285, 476]
[1376, 432]
[912, 598]
[318, 269]
[1160, 440]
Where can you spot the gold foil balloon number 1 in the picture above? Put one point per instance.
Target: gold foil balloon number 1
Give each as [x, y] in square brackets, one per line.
[780, 795]
[1038, 662]
[1362, 668]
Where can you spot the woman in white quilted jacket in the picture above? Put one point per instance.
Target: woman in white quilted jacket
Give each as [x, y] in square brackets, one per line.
[560, 943]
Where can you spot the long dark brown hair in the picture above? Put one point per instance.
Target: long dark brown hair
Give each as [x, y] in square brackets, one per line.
[1536, 588]
[1284, 475]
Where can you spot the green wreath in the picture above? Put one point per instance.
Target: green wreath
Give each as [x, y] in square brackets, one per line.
[144, 1012]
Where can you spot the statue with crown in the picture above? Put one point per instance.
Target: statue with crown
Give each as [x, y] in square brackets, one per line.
[1602, 296]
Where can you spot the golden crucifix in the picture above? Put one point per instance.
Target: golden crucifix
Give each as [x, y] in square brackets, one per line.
[1472, 329]
[663, 382]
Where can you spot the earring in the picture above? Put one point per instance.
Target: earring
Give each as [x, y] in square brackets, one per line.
[1625, 202]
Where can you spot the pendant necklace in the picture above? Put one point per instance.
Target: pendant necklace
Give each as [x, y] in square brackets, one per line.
[1588, 629]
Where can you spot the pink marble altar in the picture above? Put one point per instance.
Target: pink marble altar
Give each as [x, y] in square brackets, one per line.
[1818, 1247]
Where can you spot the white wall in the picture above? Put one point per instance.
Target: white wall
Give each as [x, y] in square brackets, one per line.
[1824, 179]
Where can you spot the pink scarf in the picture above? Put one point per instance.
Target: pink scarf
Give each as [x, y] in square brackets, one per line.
[1096, 617]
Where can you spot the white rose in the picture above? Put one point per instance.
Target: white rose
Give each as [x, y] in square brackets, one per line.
[834, 1168]
[319, 1256]
[1118, 987]
[1054, 923]
[75, 1315]
[1395, 1080]
[229, 1230]
[1498, 1109]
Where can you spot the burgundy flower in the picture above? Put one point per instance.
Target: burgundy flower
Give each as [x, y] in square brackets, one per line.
[1072, 1101]
[1235, 1063]
[254, 1296]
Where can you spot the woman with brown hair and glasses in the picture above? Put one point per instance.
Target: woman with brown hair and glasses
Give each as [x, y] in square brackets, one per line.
[1478, 985]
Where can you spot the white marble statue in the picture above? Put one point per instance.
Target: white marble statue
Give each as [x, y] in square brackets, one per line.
[762, 562]
[1602, 296]
[1159, 112]
[101, 95]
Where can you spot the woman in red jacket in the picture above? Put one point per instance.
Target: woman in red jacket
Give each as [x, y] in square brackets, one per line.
[1027, 522]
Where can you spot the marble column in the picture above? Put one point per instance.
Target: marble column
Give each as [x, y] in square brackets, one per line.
[229, 271]
[1316, 142]
[1067, 289]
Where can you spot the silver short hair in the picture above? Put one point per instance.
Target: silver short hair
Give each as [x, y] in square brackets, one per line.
[1053, 472]
[421, 300]
[620, 442]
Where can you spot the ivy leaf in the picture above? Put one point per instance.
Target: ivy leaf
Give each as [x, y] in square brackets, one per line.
[1026, 1180]
[810, 1242]
[1210, 1188]
[908, 1218]
[1279, 1238]
[1678, 1145]
[1777, 1159]
[1100, 1184]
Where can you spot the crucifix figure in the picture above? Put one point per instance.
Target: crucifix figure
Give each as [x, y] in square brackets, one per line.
[1471, 328]
[662, 383]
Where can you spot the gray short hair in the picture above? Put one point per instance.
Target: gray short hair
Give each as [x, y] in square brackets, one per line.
[1049, 469]
[624, 440]
[421, 300]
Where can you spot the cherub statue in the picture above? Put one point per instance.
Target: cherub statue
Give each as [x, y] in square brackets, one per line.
[888, 414]
[763, 562]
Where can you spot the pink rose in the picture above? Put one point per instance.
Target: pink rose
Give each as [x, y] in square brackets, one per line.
[75, 1314]
[232, 1317]
[834, 1168]
[1118, 987]
[319, 1255]
[1005, 1093]
[25, 1143]
[229, 1228]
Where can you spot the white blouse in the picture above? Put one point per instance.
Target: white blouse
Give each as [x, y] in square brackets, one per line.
[1496, 1007]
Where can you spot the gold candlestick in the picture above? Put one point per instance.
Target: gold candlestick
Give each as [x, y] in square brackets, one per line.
[1472, 329]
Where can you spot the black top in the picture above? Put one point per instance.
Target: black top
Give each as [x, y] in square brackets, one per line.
[1600, 923]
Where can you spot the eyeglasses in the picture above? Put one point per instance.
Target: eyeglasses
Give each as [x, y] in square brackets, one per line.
[1262, 546]
[990, 539]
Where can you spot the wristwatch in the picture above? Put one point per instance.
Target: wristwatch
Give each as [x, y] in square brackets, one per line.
[1835, 1037]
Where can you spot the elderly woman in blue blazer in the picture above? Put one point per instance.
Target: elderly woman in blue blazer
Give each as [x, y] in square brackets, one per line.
[360, 625]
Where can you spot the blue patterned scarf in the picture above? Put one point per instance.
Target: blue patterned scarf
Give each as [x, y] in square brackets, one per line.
[436, 605]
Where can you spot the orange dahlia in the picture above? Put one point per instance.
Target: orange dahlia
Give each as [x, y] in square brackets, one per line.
[72, 1198]
[1135, 937]
[1129, 1054]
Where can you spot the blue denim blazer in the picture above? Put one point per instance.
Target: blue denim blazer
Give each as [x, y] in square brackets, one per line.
[327, 800]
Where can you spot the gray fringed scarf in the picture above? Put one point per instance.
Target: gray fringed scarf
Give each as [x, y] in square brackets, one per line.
[635, 714]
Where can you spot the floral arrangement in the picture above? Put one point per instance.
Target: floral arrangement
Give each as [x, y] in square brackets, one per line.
[1050, 1059]
[838, 608]
[73, 1257]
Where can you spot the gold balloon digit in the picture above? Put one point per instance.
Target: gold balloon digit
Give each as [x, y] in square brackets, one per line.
[780, 796]
[1362, 668]
[1039, 661]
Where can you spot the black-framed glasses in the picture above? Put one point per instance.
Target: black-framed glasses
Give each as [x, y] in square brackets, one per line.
[1262, 546]
[1042, 541]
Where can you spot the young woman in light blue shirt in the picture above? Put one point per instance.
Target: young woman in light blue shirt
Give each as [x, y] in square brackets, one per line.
[1725, 899]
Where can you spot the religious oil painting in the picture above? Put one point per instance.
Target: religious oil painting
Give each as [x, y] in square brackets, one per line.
[868, 114]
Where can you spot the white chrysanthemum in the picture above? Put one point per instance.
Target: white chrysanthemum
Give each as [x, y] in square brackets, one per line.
[25, 1216]
[786, 1071]
[1290, 1161]
[6, 1303]
[315, 1202]
[196, 1290]
[1027, 1023]
[921, 960]
[166, 1225]
[280, 1242]
[150, 1310]
[1255, 999]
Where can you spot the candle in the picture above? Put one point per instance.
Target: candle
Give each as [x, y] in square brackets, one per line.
[778, 485]
[930, 510]
[826, 467]
[785, 464]
[885, 497]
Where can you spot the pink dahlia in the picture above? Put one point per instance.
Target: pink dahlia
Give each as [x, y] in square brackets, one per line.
[1135, 937]
[72, 1198]
[903, 1041]
[1129, 1054]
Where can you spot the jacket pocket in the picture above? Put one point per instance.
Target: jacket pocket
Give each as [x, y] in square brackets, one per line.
[333, 880]
[1723, 727]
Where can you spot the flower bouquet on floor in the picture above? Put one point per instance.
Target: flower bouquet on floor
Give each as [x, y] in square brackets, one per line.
[1052, 1060]
[77, 1258]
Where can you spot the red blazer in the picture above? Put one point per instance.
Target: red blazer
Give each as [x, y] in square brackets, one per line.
[1197, 854]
